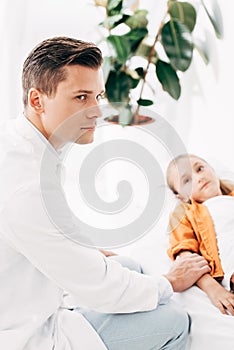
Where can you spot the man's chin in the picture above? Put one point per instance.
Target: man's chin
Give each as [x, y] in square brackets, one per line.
[84, 140]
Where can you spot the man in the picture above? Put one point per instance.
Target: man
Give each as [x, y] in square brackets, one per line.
[39, 262]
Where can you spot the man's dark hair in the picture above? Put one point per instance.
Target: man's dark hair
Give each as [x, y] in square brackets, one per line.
[43, 69]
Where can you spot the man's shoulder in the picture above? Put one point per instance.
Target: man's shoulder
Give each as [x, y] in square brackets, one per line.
[17, 137]
[17, 158]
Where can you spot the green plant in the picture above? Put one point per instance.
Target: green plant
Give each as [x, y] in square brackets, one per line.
[175, 34]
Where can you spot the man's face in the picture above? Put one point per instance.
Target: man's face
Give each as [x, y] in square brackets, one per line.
[196, 179]
[70, 114]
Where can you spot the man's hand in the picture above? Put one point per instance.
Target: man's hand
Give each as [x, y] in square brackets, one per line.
[186, 270]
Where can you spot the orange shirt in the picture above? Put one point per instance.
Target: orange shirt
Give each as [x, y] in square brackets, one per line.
[192, 229]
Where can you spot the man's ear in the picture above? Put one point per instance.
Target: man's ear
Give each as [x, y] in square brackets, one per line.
[35, 100]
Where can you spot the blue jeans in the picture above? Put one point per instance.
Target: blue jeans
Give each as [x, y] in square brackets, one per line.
[164, 328]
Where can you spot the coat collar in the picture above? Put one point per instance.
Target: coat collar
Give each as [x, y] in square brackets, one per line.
[29, 132]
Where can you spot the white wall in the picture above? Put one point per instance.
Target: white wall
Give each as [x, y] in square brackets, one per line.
[203, 117]
[23, 24]
[205, 108]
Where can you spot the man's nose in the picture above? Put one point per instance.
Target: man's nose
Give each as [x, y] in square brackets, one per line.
[94, 111]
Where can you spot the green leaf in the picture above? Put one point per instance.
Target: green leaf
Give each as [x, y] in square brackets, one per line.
[144, 102]
[135, 37]
[140, 72]
[114, 7]
[132, 81]
[215, 18]
[112, 20]
[121, 46]
[177, 42]
[184, 13]
[114, 91]
[154, 57]
[143, 49]
[138, 20]
[125, 45]
[118, 86]
[136, 34]
[168, 78]
[201, 48]
[106, 67]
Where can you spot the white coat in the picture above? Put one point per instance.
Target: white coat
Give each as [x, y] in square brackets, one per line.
[38, 263]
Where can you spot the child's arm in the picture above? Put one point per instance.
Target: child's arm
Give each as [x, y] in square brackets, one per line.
[219, 296]
[182, 237]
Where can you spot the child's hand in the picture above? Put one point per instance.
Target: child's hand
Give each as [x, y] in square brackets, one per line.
[222, 299]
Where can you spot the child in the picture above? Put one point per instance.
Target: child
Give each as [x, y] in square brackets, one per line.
[203, 223]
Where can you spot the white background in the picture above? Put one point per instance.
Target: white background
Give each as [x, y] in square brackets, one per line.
[204, 114]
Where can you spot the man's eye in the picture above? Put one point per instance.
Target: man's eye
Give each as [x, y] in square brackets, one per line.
[100, 97]
[81, 97]
[200, 168]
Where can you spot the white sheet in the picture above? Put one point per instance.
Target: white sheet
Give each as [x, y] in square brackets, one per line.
[221, 209]
[210, 329]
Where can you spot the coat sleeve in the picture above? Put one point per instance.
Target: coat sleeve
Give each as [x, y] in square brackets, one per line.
[182, 236]
[98, 283]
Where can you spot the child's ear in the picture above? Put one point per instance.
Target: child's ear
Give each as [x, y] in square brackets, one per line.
[185, 200]
[179, 197]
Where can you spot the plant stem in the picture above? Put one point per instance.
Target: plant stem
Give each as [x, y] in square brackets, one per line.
[136, 114]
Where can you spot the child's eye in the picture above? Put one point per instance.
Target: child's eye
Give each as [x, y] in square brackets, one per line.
[82, 97]
[200, 168]
[186, 181]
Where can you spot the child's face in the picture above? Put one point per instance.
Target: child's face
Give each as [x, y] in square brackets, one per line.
[195, 179]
